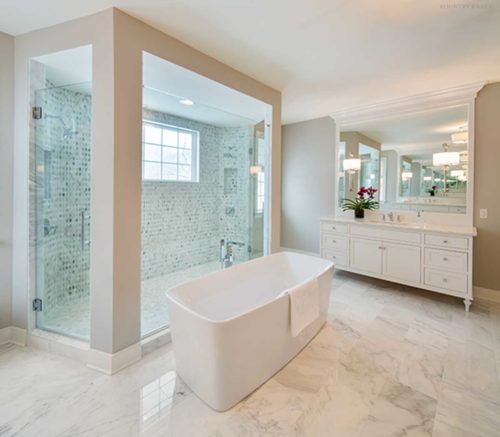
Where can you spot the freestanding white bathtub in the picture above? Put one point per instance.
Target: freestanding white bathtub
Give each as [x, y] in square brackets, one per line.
[231, 329]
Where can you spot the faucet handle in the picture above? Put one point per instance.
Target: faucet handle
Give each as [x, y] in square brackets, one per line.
[235, 243]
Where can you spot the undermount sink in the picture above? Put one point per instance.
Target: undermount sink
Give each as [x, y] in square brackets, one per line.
[380, 222]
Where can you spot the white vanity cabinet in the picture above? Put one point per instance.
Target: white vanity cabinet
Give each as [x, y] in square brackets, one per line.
[424, 256]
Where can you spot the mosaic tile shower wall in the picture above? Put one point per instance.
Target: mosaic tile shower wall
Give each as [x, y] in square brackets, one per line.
[62, 193]
[183, 222]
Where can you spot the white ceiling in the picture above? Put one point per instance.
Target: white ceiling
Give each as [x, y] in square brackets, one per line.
[214, 102]
[164, 85]
[419, 133]
[324, 55]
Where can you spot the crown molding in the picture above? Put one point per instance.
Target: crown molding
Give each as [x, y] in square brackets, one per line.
[408, 105]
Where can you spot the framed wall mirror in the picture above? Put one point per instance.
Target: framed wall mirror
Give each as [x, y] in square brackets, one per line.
[418, 154]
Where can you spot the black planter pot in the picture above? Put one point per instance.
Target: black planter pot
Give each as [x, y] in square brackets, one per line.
[432, 194]
[359, 213]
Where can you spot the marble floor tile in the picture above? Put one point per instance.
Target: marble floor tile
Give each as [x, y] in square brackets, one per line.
[390, 361]
[400, 410]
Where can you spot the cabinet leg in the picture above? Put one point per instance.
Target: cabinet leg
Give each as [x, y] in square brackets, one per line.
[467, 303]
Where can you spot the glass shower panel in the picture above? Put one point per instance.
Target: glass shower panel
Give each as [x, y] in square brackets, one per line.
[257, 173]
[221, 197]
[61, 197]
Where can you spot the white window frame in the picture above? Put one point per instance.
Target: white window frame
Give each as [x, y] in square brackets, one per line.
[195, 153]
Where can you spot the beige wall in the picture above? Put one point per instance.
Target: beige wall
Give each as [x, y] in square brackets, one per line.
[118, 41]
[6, 161]
[486, 183]
[308, 181]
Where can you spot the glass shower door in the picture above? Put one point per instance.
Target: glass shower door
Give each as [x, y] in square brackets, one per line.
[60, 211]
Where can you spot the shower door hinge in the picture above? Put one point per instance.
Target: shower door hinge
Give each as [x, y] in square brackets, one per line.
[36, 112]
[37, 304]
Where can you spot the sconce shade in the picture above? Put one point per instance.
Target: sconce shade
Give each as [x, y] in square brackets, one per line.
[460, 137]
[406, 175]
[352, 164]
[445, 158]
[457, 173]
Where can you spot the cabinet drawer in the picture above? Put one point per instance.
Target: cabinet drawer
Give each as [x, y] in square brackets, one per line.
[385, 234]
[446, 280]
[446, 259]
[446, 241]
[337, 258]
[336, 228]
[334, 243]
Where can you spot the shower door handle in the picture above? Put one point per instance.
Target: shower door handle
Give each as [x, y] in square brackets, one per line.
[83, 241]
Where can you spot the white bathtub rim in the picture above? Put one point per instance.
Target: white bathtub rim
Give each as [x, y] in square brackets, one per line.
[174, 299]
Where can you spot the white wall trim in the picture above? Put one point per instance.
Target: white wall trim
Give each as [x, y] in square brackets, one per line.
[487, 294]
[155, 341]
[112, 363]
[303, 252]
[416, 104]
[5, 335]
[13, 334]
[408, 105]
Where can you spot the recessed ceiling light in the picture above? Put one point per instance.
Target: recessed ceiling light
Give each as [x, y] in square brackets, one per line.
[186, 102]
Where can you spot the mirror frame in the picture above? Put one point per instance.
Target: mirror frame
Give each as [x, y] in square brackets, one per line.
[413, 105]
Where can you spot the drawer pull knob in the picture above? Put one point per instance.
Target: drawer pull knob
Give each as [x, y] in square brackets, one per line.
[334, 257]
[445, 280]
[445, 259]
[445, 241]
[334, 241]
[381, 247]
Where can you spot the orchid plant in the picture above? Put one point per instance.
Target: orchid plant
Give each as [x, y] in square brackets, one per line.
[364, 200]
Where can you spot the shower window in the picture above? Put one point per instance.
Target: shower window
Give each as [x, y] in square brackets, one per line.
[169, 153]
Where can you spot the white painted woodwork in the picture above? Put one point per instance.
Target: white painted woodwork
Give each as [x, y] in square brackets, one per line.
[432, 257]
[401, 262]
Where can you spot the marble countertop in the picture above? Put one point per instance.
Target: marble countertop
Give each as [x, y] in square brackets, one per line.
[467, 231]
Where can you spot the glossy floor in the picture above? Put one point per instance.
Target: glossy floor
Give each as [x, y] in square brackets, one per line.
[390, 361]
[73, 319]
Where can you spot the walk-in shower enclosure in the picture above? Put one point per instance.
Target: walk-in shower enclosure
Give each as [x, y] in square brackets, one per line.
[81, 203]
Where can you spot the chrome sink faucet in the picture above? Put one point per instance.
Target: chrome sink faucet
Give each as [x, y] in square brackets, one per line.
[391, 216]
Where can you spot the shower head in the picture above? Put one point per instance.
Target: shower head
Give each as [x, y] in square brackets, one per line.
[68, 132]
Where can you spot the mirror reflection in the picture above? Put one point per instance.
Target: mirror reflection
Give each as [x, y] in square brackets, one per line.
[417, 162]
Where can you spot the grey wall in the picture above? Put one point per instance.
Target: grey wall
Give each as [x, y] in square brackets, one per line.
[308, 160]
[6, 162]
[392, 174]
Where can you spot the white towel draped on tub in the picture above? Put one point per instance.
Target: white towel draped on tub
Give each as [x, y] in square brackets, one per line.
[304, 305]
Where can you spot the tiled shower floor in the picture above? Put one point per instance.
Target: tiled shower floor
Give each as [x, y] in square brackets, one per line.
[74, 319]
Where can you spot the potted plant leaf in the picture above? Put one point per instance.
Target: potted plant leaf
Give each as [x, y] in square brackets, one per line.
[364, 200]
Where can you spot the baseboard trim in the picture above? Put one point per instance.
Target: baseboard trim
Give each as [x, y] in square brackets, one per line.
[112, 363]
[13, 334]
[155, 341]
[303, 252]
[487, 294]
[59, 345]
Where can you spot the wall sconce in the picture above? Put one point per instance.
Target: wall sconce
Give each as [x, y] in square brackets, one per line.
[406, 175]
[457, 173]
[445, 159]
[461, 136]
[351, 166]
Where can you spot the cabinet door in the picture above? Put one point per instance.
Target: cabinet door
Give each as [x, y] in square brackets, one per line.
[401, 262]
[366, 255]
